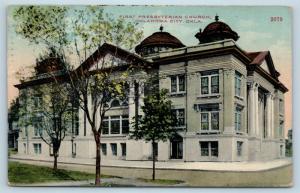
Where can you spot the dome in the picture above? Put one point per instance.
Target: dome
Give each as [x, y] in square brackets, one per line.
[158, 41]
[216, 31]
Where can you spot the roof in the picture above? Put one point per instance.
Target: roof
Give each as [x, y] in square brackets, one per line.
[160, 39]
[215, 31]
[115, 51]
[88, 63]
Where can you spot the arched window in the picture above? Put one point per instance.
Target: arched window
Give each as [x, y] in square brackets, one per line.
[115, 103]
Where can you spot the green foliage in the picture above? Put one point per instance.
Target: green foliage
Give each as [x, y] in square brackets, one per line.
[74, 30]
[28, 174]
[158, 121]
[42, 24]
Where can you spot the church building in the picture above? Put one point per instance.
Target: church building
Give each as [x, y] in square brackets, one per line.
[229, 103]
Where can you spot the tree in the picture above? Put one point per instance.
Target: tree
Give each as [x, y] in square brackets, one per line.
[48, 107]
[78, 32]
[157, 122]
[54, 116]
[13, 117]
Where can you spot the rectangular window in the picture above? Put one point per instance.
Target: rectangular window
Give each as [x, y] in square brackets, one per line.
[181, 83]
[104, 148]
[180, 116]
[37, 147]
[215, 84]
[123, 147]
[113, 147]
[214, 148]
[178, 84]
[237, 83]
[209, 117]
[37, 101]
[209, 148]
[174, 84]
[204, 121]
[125, 124]
[238, 118]
[204, 85]
[115, 124]
[214, 120]
[105, 128]
[37, 121]
[204, 149]
[209, 82]
[239, 148]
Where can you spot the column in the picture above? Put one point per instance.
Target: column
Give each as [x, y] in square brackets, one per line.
[253, 108]
[272, 116]
[256, 110]
[131, 102]
[228, 98]
[268, 115]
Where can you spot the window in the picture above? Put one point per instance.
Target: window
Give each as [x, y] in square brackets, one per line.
[180, 116]
[239, 148]
[123, 147]
[209, 117]
[103, 148]
[105, 127]
[281, 150]
[37, 121]
[115, 103]
[209, 82]
[178, 84]
[37, 101]
[125, 124]
[204, 149]
[113, 147]
[209, 148]
[214, 148]
[237, 83]
[37, 147]
[238, 118]
[115, 125]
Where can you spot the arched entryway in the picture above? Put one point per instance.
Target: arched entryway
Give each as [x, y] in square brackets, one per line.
[176, 147]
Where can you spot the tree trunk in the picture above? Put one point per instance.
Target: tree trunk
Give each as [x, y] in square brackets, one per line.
[55, 161]
[98, 160]
[153, 161]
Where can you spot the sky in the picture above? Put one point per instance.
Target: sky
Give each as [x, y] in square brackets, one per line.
[256, 26]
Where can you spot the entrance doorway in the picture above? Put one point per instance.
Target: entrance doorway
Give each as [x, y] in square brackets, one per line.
[176, 147]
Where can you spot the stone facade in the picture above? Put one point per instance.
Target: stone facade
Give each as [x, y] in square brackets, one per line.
[253, 133]
[230, 104]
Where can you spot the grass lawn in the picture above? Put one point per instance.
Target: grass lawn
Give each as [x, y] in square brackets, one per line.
[19, 173]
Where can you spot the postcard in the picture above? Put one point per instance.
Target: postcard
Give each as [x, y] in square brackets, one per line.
[149, 96]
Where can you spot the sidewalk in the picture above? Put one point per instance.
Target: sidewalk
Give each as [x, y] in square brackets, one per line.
[169, 165]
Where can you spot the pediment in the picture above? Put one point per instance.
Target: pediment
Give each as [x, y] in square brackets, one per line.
[265, 66]
[109, 55]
